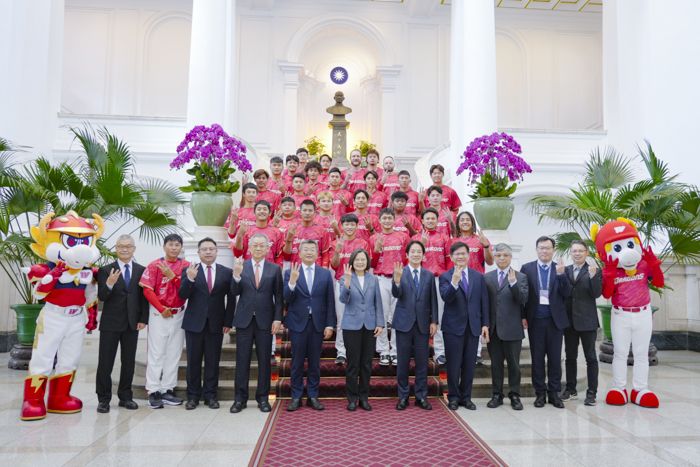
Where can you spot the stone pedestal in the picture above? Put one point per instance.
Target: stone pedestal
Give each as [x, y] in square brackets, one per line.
[340, 144]
[19, 357]
[607, 351]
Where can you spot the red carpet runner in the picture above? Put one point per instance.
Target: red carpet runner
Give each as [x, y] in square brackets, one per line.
[384, 436]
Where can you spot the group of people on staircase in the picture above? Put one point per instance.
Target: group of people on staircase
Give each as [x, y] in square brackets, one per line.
[359, 255]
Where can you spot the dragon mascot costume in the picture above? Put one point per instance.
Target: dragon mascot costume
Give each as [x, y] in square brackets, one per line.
[66, 284]
[628, 270]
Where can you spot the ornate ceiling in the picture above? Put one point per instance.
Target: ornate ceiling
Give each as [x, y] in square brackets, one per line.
[586, 6]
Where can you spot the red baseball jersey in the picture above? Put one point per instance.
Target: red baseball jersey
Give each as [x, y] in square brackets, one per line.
[412, 203]
[245, 216]
[437, 250]
[476, 252]
[391, 184]
[313, 232]
[632, 291]
[271, 197]
[166, 290]
[363, 229]
[394, 250]
[377, 201]
[400, 223]
[338, 207]
[348, 247]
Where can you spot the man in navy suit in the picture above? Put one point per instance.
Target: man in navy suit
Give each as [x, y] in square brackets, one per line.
[415, 320]
[466, 317]
[258, 285]
[309, 294]
[208, 316]
[548, 288]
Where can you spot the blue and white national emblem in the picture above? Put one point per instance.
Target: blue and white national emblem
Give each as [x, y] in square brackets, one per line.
[339, 75]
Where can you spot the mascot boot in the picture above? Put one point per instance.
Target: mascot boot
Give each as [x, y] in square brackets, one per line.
[60, 400]
[33, 407]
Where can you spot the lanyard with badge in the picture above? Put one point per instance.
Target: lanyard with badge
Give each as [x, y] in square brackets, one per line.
[544, 292]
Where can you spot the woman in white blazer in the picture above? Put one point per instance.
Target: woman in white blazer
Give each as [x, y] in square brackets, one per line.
[363, 320]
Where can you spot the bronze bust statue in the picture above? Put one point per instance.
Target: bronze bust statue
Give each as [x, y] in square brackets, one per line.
[339, 111]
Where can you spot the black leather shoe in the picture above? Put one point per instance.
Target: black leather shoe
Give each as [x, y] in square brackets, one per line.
[515, 403]
[469, 404]
[212, 403]
[556, 402]
[264, 406]
[191, 404]
[314, 403]
[453, 405]
[402, 404]
[237, 406]
[294, 405]
[364, 404]
[540, 401]
[424, 404]
[352, 406]
[495, 401]
[103, 407]
[129, 405]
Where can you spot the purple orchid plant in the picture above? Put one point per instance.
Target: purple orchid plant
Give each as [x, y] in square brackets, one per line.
[215, 156]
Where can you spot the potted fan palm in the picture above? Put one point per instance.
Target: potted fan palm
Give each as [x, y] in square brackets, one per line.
[215, 157]
[665, 211]
[494, 167]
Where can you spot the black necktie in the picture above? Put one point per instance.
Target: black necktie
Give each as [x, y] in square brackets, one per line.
[415, 280]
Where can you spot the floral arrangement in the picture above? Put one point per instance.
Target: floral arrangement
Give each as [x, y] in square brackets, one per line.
[216, 157]
[315, 147]
[494, 165]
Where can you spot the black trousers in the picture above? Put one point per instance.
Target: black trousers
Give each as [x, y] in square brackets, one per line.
[406, 343]
[245, 337]
[545, 341]
[571, 340]
[109, 341]
[203, 345]
[359, 346]
[460, 352]
[501, 350]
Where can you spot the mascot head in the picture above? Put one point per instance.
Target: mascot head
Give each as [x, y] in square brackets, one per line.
[618, 240]
[70, 239]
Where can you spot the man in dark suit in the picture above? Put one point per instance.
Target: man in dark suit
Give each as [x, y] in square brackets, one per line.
[507, 297]
[546, 320]
[209, 314]
[415, 320]
[258, 285]
[309, 294]
[586, 286]
[466, 317]
[124, 314]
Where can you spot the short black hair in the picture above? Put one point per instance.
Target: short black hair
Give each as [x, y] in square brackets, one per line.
[388, 211]
[360, 191]
[307, 202]
[578, 242]
[349, 218]
[288, 199]
[262, 202]
[276, 160]
[456, 246]
[249, 186]
[405, 172]
[172, 238]
[430, 211]
[545, 238]
[372, 173]
[291, 157]
[298, 175]
[415, 242]
[302, 150]
[399, 195]
[333, 170]
[325, 155]
[433, 188]
[313, 165]
[205, 240]
[435, 167]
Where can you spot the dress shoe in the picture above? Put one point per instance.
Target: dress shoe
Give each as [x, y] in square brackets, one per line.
[540, 401]
[212, 403]
[264, 406]
[441, 360]
[515, 403]
[453, 405]
[191, 404]
[364, 405]
[237, 406]
[129, 405]
[352, 406]
[424, 404]
[402, 404]
[103, 407]
[556, 402]
[469, 404]
[294, 405]
[340, 360]
[495, 401]
[314, 403]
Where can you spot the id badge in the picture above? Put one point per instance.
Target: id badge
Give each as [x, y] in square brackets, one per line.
[544, 297]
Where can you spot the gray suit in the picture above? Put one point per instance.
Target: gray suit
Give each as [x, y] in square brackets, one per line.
[583, 316]
[507, 310]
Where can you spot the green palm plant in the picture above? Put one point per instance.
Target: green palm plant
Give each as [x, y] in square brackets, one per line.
[101, 180]
[666, 211]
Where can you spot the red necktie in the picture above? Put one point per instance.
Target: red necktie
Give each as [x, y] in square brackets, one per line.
[210, 285]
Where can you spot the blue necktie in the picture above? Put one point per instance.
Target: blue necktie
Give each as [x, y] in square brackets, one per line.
[544, 278]
[464, 283]
[415, 281]
[127, 275]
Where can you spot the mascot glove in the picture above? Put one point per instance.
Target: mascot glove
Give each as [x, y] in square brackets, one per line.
[37, 271]
[650, 258]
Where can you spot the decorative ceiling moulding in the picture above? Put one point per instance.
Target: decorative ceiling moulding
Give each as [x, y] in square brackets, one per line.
[584, 6]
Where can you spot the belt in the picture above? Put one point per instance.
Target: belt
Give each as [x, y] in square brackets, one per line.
[631, 309]
[177, 310]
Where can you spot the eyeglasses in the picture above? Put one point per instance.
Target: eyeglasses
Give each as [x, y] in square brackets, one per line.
[125, 247]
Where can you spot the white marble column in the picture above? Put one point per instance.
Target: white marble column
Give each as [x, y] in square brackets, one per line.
[473, 104]
[388, 81]
[213, 67]
[31, 51]
[290, 137]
